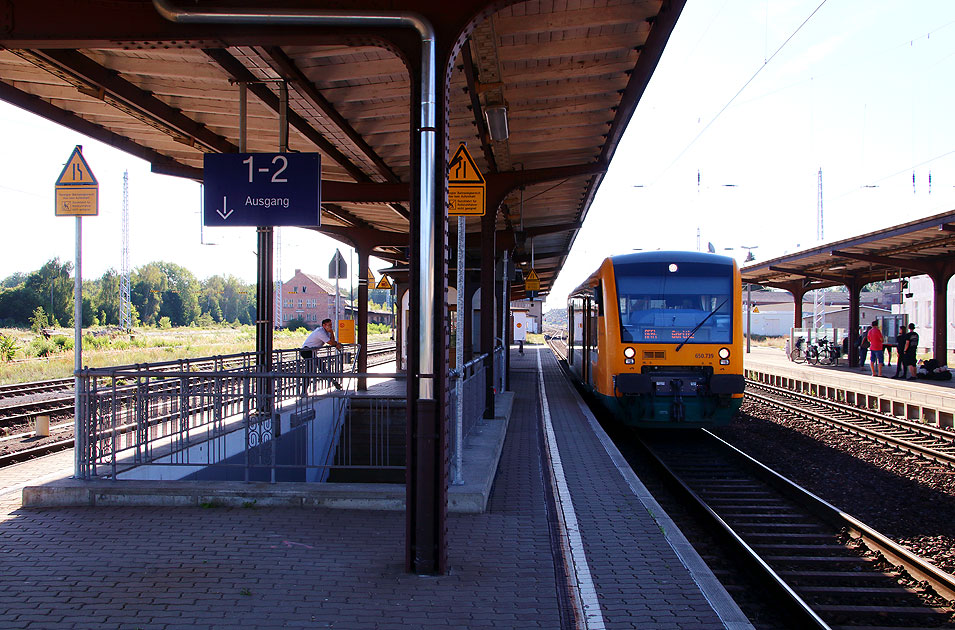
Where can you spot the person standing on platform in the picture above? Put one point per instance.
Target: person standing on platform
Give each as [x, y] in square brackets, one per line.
[900, 350]
[319, 337]
[875, 347]
[908, 354]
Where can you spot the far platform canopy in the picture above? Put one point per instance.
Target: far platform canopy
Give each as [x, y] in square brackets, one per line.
[924, 246]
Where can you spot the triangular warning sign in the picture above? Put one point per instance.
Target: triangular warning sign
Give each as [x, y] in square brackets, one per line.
[371, 277]
[76, 172]
[532, 276]
[755, 309]
[462, 169]
[383, 283]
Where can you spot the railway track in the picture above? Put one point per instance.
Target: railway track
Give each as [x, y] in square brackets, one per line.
[17, 441]
[931, 443]
[826, 568]
[14, 390]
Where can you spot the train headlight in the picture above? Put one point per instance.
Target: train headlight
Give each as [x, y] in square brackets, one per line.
[629, 352]
[724, 356]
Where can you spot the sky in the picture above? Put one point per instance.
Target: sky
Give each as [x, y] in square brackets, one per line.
[751, 98]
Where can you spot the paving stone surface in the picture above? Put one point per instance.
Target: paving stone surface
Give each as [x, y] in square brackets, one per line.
[223, 568]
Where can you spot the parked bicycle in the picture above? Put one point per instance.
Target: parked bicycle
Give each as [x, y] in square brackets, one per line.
[827, 353]
[798, 355]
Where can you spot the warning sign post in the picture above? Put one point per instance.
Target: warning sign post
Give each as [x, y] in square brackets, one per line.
[466, 186]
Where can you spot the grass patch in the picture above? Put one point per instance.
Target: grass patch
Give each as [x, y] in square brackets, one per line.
[38, 358]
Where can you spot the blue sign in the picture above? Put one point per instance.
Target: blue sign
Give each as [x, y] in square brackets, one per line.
[262, 189]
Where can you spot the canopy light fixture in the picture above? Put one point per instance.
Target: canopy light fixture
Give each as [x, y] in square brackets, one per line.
[496, 117]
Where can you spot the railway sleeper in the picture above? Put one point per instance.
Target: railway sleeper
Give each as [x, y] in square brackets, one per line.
[801, 577]
[882, 611]
[823, 561]
[781, 529]
[831, 549]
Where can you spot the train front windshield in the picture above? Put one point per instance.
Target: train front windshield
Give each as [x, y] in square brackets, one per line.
[675, 302]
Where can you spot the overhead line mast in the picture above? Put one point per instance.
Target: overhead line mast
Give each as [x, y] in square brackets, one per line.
[819, 298]
[125, 304]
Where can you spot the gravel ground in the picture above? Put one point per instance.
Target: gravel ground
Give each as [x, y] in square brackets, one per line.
[906, 498]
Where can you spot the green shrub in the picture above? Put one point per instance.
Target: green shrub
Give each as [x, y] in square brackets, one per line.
[8, 348]
[165, 323]
[41, 347]
[62, 343]
[39, 320]
[295, 324]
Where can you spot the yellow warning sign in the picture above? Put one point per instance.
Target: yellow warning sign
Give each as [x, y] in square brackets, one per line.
[346, 331]
[76, 189]
[371, 277]
[383, 283]
[466, 185]
[532, 282]
[755, 309]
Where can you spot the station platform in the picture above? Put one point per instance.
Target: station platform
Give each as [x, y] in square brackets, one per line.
[919, 400]
[570, 538]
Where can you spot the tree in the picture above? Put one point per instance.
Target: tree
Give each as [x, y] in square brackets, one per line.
[181, 297]
[148, 285]
[212, 290]
[52, 288]
[14, 280]
[39, 320]
[108, 298]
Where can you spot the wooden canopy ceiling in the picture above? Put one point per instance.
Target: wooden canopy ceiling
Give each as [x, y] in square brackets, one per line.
[570, 74]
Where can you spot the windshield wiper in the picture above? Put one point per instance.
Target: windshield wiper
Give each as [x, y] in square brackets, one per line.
[705, 319]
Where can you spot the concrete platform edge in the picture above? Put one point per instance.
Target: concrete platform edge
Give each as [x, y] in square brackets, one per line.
[712, 589]
[482, 453]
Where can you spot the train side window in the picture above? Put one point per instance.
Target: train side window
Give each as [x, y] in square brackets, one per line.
[599, 298]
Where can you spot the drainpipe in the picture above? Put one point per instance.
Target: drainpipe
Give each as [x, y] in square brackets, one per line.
[426, 132]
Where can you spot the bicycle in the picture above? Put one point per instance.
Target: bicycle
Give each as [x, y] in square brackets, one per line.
[798, 355]
[828, 353]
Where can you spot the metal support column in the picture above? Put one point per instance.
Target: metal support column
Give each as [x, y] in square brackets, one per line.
[797, 306]
[749, 315]
[855, 291]
[940, 307]
[508, 330]
[487, 308]
[362, 336]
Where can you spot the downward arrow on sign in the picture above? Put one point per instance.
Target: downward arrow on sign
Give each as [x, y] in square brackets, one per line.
[224, 215]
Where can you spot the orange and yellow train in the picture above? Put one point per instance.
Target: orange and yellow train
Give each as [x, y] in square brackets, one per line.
[657, 338]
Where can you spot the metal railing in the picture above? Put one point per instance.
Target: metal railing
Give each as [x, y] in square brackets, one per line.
[224, 419]
[219, 419]
[466, 392]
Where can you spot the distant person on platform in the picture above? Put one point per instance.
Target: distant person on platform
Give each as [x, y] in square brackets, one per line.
[319, 337]
[908, 353]
[863, 347]
[875, 348]
[900, 350]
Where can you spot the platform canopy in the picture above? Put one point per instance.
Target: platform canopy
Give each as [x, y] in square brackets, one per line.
[568, 76]
[903, 250]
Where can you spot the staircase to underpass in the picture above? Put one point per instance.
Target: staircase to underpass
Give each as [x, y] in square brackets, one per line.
[371, 443]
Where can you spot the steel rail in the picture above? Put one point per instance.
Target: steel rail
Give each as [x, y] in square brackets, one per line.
[383, 353]
[852, 426]
[877, 416]
[807, 615]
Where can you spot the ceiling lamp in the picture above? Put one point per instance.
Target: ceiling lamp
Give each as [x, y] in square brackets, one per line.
[496, 122]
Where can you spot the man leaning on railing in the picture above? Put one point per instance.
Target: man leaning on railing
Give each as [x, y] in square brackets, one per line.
[321, 336]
